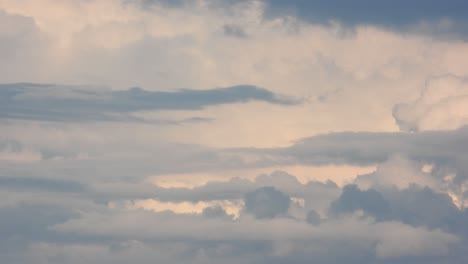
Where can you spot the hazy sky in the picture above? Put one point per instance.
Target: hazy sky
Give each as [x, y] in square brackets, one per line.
[218, 131]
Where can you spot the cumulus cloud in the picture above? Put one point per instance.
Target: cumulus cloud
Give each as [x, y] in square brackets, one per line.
[266, 202]
[222, 189]
[415, 206]
[399, 172]
[441, 106]
[215, 212]
[353, 199]
[293, 238]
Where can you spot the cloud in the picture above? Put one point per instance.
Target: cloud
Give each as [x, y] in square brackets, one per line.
[405, 241]
[78, 103]
[401, 173]
[415, 206]
[423, 206]
[315, 194]
[275, 240]
[23, 47]
[266, 202]
[357, 237]
[215, 212]
[365, 148]
[441, 106]
[173, 178]
[353, 199]
[30, 222]
[399, 15]
[122, 45]
[234, 31]
[313, 218]
[13, 151]
[40, 184]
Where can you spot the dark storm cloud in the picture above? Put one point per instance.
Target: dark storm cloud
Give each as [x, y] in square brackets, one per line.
[398, 14]
[82, 103]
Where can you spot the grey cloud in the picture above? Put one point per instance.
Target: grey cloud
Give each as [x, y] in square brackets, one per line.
[215, 212]
[31, 222]
[40, 184]
[316, 194]
[368, 148]
[165, 3]
[413, 206]
[83, 103]
[275, 240]
[266, 202]
[423, 206]
[284, 238]
[400, 15]
[397, 15]
[353, 199]
[313, 217]
[234, 31]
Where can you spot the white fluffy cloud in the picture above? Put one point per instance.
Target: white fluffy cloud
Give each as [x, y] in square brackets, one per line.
[441, 106]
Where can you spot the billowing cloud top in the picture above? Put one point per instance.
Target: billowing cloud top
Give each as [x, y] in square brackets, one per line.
[255, 132]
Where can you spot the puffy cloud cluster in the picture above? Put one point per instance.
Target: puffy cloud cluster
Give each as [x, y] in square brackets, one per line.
[381, 223]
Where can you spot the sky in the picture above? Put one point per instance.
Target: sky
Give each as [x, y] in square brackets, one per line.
[243, 131]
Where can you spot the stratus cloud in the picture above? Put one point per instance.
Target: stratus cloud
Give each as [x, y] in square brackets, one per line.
[69, 103]
[443, 104]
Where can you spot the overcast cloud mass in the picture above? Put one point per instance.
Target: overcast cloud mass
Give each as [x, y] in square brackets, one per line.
[250, 131]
